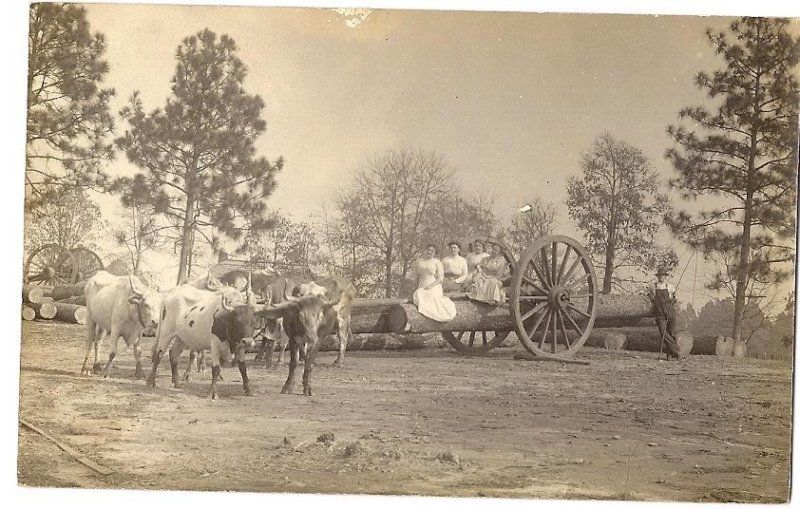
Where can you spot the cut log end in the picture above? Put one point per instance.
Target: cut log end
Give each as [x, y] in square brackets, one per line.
[28, 313]
[45, 310]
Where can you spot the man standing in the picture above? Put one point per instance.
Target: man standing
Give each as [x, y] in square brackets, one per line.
[662, 295]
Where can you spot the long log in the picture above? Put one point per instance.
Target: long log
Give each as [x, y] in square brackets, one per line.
[33, 294]
[638, 339]
[28, 313]
[45, 310]
[611, 311]
[721, 346]
[64, 292]
[77, 299]
[71, 313]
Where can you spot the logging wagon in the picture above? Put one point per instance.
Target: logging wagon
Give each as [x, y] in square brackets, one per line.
[553, 304]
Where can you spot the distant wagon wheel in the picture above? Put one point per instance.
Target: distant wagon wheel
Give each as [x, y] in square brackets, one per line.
[477, 341]
[50, 265]
[85, 263]
[553, 297]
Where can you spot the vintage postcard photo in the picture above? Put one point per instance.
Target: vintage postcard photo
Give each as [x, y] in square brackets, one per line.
[409, 252]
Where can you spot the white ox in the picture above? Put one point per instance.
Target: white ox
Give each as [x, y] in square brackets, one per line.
[203, 320]
[118, 306]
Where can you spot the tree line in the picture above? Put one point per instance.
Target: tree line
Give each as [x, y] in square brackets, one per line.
[200, 183]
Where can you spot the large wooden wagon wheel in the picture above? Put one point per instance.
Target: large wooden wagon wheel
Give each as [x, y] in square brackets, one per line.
[481, 341]
[50, 265]
[85, 263]
[553, 297]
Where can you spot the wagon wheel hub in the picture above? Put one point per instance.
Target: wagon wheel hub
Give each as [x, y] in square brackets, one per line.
[558, 297]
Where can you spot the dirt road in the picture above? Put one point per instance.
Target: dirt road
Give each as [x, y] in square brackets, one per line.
[425, 422]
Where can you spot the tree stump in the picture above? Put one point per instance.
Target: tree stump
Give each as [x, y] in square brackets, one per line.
[739, 349]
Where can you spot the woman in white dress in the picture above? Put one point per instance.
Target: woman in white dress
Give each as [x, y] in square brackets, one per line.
[455, 269]
[429, 297]
[474, 258]
[488, 278]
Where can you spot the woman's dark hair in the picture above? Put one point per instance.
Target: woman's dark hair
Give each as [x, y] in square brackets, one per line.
[454, 243]
[476, 242]
[431, 245]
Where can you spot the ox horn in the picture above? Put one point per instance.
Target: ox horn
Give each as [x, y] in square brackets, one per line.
[226, 305]
[136, 292]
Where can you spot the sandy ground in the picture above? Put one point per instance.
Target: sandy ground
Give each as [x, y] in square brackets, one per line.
[427, 422]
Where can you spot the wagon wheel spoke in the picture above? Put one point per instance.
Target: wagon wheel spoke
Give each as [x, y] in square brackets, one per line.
[571, 270]
[567, 252]
[574, 324]
[545, 268]
[533, 311]
[489, 340]
[528, 281]
[545, 331]
[533, 297]
[543, 285]
[564, 330]
[582, 313]
[554, 260]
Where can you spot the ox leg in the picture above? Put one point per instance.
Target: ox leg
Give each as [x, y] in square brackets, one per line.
[91, 341]
[158, 353]
[137, 354]
[114, 338]
[98, 344]
[311, 352]
[281, 343]
[239, 357]
[215, 369]
[174, 358]
[288, 386]
[187, 377]
[201, 362]
[343, 333]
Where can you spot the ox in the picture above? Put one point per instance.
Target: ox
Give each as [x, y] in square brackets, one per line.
[314, 310]
[202, 320]
[118, 306]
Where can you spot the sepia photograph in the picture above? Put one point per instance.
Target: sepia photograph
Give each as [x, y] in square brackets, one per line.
[385, 251]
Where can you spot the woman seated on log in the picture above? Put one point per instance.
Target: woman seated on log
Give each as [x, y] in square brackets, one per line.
[476, 255]
[487, 285]
[429, 297]
[455, 269]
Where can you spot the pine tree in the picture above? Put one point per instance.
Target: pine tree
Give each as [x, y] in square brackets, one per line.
[744, 154]
[68, 113]
[197, 155]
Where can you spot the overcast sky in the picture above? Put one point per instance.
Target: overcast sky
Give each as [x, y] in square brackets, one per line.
[510, 99]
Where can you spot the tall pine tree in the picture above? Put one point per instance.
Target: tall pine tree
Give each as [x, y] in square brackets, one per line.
[197, 155]
[744, 154]
[69, 120]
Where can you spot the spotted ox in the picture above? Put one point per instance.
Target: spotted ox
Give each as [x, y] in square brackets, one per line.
[202, 320]
[118, 306]
[312, 311]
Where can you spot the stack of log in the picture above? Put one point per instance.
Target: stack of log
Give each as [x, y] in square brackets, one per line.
[62, 303]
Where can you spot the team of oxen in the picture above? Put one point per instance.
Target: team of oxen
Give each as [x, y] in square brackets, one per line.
[208, 315]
